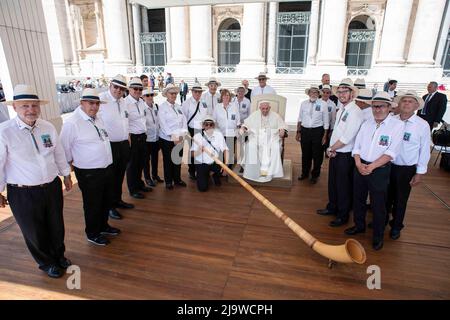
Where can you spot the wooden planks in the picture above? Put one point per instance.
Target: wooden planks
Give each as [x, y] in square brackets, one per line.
[183, 244]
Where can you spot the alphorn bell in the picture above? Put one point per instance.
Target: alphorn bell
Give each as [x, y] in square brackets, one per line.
[349, 252]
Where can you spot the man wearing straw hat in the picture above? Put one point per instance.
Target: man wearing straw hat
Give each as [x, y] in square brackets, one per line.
[87, 147]
[152, 142]
[360, 83]
[173, 128]
[378, 143]
[194, 111]
[211, 139]
[312, 130]
[243, 104]
[411, 162]
[31, 158]
[262, 87]
[363, 101]
[137, 119]
[340, 173]
[114, 114]
[211, 97]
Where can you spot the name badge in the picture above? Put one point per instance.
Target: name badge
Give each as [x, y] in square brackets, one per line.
[104, 133]
[384, 141]
[126, 114]
[47, 141]
[233, 117]
[317, 107]
[145, 112]
[204, 105]
[344, 118]
[244, 106]
[156, 112]
[179, 111]
[406, 136]
[329, 109]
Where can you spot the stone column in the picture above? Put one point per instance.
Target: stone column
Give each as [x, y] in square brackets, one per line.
[75, 66]
[425, 32]
[116, 34]
[168, 36]
[144, 16]
[201, 43]
[252, 39]
[179, 31]
[392, 47]
[137, 33]
[443, 37]
[313, 32]
[333, 35]
[272, 37]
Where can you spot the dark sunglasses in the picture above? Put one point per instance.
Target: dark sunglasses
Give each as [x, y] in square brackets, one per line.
[118, 87]
[137, 89]
[208, 124]
[149, 95]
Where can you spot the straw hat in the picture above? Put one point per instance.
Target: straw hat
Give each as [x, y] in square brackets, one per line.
[364, 95]
[382, 96]
[262, 75]
[136, 82]
[170, 88]
[25, 92]
[149, 91]
[120, 81]
[197, 87]
[213, 80]
[360, 83]
[348, 83]
[91, 94]
[239, 87]
[313, 87]
[208, 117]
[325, 86]
[410, 94]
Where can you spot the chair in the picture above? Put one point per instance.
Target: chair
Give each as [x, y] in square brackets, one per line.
[441, 138]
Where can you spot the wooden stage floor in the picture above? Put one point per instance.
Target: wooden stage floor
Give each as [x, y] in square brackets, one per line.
[224, 244]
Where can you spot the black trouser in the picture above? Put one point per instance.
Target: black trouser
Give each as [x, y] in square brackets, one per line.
[96, 189]
[191, 164]
[182, 97]
[340, 184]
[39, 214]
[172, 167]
[231, 144]
[121, 156]
[136, 164]
[327, 143]
[399, 189]
[203, 171]
[375, 184]
[311, 143]
[151, 154]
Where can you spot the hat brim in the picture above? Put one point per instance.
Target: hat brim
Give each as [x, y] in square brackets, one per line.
[307, 90]
[165, 91]
[10, 102]
[216, 82]
[382, 100]
[153, 93]
[118, 84]
[95, 100]
[197, 89]
[366, 100]
[418, 99]
[257, 78]
[354, 89]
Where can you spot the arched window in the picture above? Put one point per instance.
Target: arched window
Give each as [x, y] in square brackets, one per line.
[229, 38]
[153, 43]
[360, 40]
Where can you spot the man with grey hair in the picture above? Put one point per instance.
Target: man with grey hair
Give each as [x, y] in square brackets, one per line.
[435, 106]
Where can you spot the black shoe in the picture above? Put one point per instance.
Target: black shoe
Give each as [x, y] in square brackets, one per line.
[180, 183]
[110, 231]
[169, 186]
[377, 245]
[192, 176]
[150, 182]
[338, 222]
[241, 170]
[325, 212]
[99, 240]
[353, 230]
[54, 272]
[137, 195]
[64, 263]
[145, 189]
[303, 177]
[158, 179]
[394, 234]
[313, 180]
[114, 214]
[123, 205]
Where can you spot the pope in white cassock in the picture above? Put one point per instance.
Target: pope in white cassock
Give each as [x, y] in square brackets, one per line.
[265, 129]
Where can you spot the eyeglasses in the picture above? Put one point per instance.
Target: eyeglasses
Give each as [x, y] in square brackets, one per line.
[379, 106]
[148, 95]
[262, 79]
[137, 89]
[118, 87]
[208, 124]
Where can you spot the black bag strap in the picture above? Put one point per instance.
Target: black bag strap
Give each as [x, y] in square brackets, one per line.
[207, 140]
[196, 111]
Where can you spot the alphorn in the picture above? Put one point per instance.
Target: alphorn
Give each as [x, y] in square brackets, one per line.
[349, 252]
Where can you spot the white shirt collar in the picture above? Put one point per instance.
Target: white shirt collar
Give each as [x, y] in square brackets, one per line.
[22, 125]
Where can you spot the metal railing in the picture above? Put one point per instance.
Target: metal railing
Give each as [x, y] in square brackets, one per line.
[152, 69]
[289, 70]
[446, 74]
[357, 72]
[224, 69]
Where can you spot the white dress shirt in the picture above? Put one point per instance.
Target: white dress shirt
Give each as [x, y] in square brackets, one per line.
[244, 107]
[4, 114]
[210, 101]
[86, 141]
[314, 114]
[216, 139]
[115, 117]
[331, 106]
[377, 139]
[189, 106]
[348, 121]
[367, 114]
[227, 119]
[137, 114]
[262, 90]
[152, 123]
[415, 148]
[391, 93]
[28, 161]
[172, 121]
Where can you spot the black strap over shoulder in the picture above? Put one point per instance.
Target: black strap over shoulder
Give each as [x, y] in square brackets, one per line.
[196, 111]
[207, 140]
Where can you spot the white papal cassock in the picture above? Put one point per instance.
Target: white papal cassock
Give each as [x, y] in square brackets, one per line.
[262, 160]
